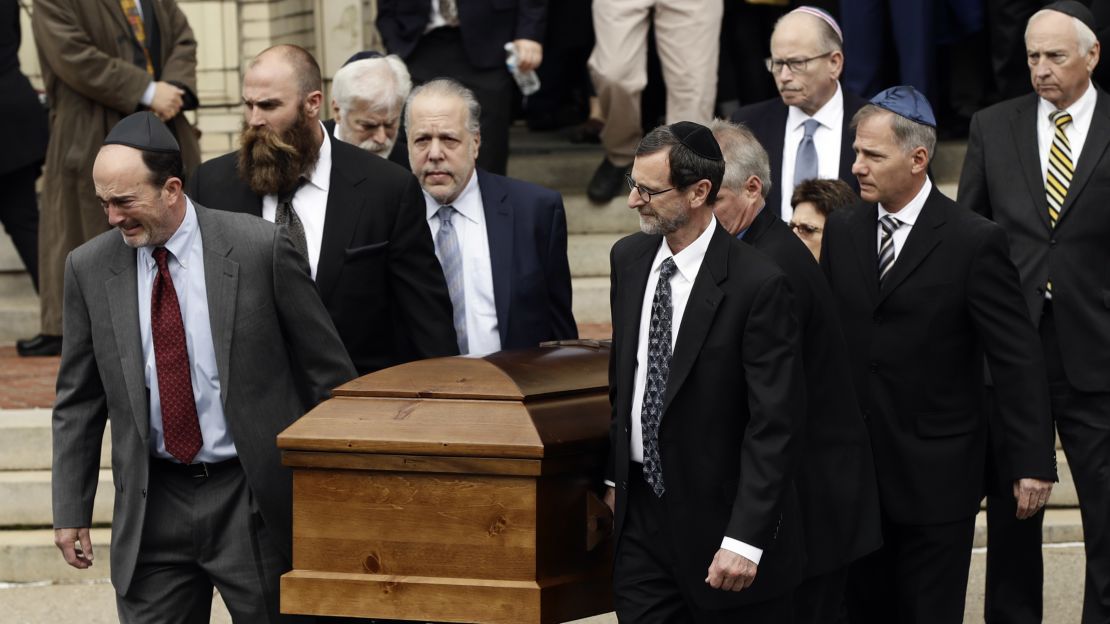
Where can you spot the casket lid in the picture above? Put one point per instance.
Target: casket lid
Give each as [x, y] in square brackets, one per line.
[519, 375]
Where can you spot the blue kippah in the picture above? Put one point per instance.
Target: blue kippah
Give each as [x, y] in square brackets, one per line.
[905, 101]
[143, 131]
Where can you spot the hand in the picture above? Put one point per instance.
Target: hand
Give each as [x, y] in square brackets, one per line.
[1031, 495]
[611, 499]
[730, 571]
[167, 100]
[529, 54]
[67, 539]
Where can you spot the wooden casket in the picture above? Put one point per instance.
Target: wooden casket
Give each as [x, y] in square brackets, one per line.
[455, 490]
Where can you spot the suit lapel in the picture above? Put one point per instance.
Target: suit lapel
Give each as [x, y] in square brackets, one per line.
[864, 228]
[343, 211]
[774, 145]
[1023, 129]
[123, 302]
[499, 230]
[633, 281]
[759, 225]
[924, 236]
[221, 283]
[701, 307]
[1098, 137]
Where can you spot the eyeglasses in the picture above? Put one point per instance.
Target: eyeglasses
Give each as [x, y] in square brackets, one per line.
[805, 229]
[796, 65]
[644, 194]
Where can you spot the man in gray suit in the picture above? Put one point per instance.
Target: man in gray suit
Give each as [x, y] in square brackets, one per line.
[200, 335]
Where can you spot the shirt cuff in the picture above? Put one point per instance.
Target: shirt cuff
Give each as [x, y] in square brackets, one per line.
[148, 95]
[742, 549]
[610, 483]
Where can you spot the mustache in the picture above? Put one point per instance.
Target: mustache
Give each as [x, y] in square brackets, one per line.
[272, 162]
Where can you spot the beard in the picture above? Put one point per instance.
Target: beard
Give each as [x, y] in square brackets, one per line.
[378, 149]
[271, 162]
[656, 224]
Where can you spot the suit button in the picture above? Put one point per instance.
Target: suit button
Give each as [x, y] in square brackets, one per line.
[867, 414]
[626, 429]
[144, 493]
[873, 367]
[624, 485]
[1052, 243]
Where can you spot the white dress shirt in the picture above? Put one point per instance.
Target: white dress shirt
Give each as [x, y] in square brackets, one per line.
[826, 139]
[186, 264]
[688, 262]
[907, 215]
[482, 335]
[1082, 111]
[310, 202]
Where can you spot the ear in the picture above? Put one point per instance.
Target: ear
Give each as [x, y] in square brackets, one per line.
[920, 158]
[699, 191]
[312, 103]
[754, 186]
[477, 144]
[836, 64]
[1093, 56]
[335, 112]
[172, 190]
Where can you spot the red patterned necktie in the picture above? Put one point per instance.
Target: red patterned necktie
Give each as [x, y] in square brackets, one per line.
[180, 426]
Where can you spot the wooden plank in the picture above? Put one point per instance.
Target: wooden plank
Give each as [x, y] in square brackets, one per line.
[586, 462]
[414, 524]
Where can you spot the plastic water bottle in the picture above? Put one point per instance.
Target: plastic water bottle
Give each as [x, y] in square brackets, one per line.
[528, 81]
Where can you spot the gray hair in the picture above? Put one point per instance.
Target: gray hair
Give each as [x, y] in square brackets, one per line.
[827, 38]
[1084, 36]
[446, 87]
[384, 83]
[744, 156]
[909, 135]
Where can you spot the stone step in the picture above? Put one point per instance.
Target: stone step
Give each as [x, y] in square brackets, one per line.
[16, 283]
[591, 299]
[25, 442]
[589, 254]
[9, 258]
[27, 498]
[28, 556]
[19, 317]
[1061, 526]
[586, 217]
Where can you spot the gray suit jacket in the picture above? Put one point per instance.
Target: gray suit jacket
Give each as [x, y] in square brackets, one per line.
[272, 336]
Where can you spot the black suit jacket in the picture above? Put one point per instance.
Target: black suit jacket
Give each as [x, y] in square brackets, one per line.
[767, 121]
[733, 404]
[1002, 180]
[836, 472]
[527, 230]
[485, 25]
[917, 349]
[378, 274]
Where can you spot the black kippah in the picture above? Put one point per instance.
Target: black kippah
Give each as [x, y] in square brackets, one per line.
[698, 139]
[143, 131]
[1076, 10]
[365, 54]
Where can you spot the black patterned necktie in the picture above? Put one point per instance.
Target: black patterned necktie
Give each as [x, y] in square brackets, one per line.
[658, 369]
[285, 215]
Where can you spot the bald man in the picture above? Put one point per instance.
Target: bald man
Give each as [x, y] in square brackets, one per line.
[358, 219]
[807, 59]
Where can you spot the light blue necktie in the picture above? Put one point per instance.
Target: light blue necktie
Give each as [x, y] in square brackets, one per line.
[450, 257]
[805, 163]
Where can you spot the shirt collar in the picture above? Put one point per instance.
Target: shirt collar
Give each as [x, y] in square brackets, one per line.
[468, 203]
[831, 115]
[321, 174]
[1081, 110]
[909, 213]
[689, 259]
[179, 243]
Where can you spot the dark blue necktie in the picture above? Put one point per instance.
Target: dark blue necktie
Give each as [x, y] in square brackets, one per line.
[659, 368]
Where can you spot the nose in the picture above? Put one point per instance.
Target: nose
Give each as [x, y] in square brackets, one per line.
[255, 118]
[858, 168]
[115, 217]
[634, 199]
[380, 135]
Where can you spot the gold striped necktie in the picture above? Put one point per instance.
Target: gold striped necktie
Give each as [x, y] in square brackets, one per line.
[131, 11]
[1059, 173]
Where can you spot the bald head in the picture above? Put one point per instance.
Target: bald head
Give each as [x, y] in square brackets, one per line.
[300, 65]
[807, 59]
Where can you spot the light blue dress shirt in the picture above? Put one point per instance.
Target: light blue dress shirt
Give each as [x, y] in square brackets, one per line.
[186, 263]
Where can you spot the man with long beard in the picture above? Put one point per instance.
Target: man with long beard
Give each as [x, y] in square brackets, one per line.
[358, 219]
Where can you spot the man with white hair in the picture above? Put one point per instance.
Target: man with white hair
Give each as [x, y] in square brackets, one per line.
[367, 97]
[805, 130]
[1038, 165]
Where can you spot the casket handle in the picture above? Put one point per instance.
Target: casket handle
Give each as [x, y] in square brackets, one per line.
[599, 521]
